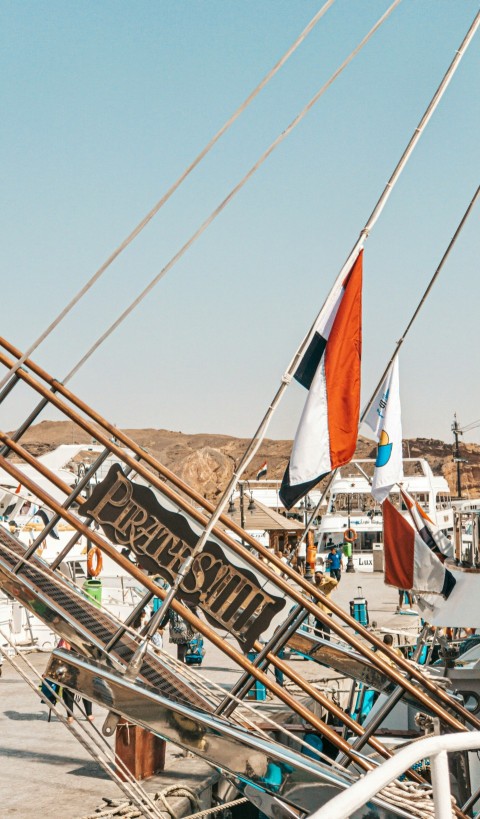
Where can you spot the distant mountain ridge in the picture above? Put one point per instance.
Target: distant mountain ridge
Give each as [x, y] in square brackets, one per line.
[206, 461]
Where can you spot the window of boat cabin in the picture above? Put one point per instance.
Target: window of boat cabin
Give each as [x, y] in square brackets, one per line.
[422, 498]
[366, 540]
[353, 501]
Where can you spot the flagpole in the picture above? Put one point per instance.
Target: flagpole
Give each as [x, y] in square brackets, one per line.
[371, 221]
[317, 507]
[422, 301]
[397, 348]
[259, 435]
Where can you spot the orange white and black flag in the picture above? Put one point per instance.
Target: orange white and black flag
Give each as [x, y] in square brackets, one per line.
[330, 370]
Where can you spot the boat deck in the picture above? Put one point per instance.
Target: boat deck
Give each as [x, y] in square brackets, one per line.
[58, 603]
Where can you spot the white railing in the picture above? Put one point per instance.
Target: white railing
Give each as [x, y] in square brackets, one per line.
[435, 748]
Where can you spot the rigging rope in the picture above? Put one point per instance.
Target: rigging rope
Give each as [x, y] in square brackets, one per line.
[259, 435]
[255, 442]
[410, 796]
[196, 677]
[264, 424]
[157, 207]
[132, 789]
[123, 808]
[397, 348]
[288, 130]
[199, 680]
[423, 299]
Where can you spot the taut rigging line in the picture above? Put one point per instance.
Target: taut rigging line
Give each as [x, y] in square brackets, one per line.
[259, 435]
[397, 348]
[204, 224]
[265, 570]
[166, 196]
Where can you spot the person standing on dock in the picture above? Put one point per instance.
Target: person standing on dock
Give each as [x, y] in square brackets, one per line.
[335, 563]
[326, 585]
[404, 596]
[181, 633]
[69, 697]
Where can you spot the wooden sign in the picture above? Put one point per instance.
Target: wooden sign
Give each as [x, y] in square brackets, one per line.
[230, 594]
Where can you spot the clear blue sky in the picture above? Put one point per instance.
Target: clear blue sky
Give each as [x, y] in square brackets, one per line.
[104, 104]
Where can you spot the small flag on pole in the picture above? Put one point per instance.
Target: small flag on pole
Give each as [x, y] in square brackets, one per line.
[435, 539]
[330, 370]
[385, 420]
[409, 563]
[262, 471]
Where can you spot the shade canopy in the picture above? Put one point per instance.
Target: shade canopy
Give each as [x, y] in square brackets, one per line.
[261, 518]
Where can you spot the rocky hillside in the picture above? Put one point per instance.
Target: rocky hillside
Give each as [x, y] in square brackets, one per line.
[206, 461]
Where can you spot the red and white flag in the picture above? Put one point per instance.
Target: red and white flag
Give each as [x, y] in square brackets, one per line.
[262, 471]
[409, 563]
[330, 370]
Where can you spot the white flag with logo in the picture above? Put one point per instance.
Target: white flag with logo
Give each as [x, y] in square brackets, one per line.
[385, 420]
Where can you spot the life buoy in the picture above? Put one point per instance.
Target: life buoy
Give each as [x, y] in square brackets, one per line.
[350, 535]
[94, 562]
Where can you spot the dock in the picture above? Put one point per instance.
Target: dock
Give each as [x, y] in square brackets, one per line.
[45, 772]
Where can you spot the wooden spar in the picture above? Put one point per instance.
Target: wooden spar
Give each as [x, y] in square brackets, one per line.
[350, 723]
[334, 709]
[272, 659]
[199, 625]
[374, 658]
[184, 611]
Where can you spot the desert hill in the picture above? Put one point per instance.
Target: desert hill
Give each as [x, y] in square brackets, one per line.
[206, 461]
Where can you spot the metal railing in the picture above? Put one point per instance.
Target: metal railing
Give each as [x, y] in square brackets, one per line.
[436, 748]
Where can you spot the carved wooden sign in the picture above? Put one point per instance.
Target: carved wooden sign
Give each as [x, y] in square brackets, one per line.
[225, 588]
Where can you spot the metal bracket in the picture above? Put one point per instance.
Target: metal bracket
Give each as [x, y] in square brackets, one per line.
[271, 806]
[110, 724]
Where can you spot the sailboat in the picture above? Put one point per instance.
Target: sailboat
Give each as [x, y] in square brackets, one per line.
[130, 509]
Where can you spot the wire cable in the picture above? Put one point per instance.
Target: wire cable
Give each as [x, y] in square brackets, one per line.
[197, 679]
[257, 438]
[157, 207]
[216, 212]
[131, 787]
[422, 302]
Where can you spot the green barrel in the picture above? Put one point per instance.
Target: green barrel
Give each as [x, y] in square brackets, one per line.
[347, 549]
[93, 590]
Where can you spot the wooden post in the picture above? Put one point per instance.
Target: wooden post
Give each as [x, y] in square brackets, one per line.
[142, 752]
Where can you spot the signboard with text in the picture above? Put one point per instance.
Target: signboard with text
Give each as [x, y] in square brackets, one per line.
[220, 582]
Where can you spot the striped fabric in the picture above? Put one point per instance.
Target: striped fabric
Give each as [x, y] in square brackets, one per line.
[330, 369]
[409, 563]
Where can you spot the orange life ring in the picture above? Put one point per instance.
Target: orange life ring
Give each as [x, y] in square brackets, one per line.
[350, 535]
[94, 561]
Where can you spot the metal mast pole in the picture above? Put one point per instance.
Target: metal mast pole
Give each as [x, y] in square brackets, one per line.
[289, 373]
[456, 454]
